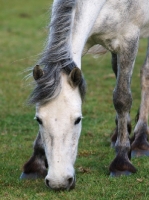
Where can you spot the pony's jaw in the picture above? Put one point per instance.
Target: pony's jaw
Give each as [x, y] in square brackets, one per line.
[60, 135]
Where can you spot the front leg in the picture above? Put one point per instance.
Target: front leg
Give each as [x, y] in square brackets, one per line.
[115, 132]
[36, 166]
[122, 100]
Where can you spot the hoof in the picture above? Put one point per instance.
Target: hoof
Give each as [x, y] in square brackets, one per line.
[121, 165]
[118, 173]
[25, 176]
[138, 153]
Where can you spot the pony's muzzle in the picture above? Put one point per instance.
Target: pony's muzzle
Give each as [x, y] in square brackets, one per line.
[67, 184]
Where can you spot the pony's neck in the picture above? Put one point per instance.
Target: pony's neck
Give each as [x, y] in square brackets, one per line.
[71, 25]
[86, 13]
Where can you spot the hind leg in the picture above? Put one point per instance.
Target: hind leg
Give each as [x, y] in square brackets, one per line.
[115, 132]
[140, 145]
[36, 166]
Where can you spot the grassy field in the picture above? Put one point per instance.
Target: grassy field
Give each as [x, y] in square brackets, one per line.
[22, 35]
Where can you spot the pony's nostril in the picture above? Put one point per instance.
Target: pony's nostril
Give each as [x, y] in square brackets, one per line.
[70, 181]
[47, 182]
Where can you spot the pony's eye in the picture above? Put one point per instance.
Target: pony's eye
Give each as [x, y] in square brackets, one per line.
[77, 120]
[39, 120]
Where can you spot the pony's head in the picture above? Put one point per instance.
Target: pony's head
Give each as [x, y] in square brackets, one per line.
[59, 119]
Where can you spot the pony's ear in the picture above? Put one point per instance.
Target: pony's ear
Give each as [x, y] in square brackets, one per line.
[37, 72]
[75, 77]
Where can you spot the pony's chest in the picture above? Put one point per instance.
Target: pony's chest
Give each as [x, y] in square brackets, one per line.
[116, 22]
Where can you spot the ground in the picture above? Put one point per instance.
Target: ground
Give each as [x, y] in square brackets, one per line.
[22, 35]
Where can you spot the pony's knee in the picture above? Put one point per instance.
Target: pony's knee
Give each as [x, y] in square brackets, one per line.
[122, 101]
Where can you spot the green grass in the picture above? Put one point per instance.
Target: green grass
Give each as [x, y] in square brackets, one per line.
[22, 35]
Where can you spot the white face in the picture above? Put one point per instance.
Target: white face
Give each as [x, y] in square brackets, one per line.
[60, 127]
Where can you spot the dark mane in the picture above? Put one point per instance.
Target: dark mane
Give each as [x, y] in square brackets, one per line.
[56, 56]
